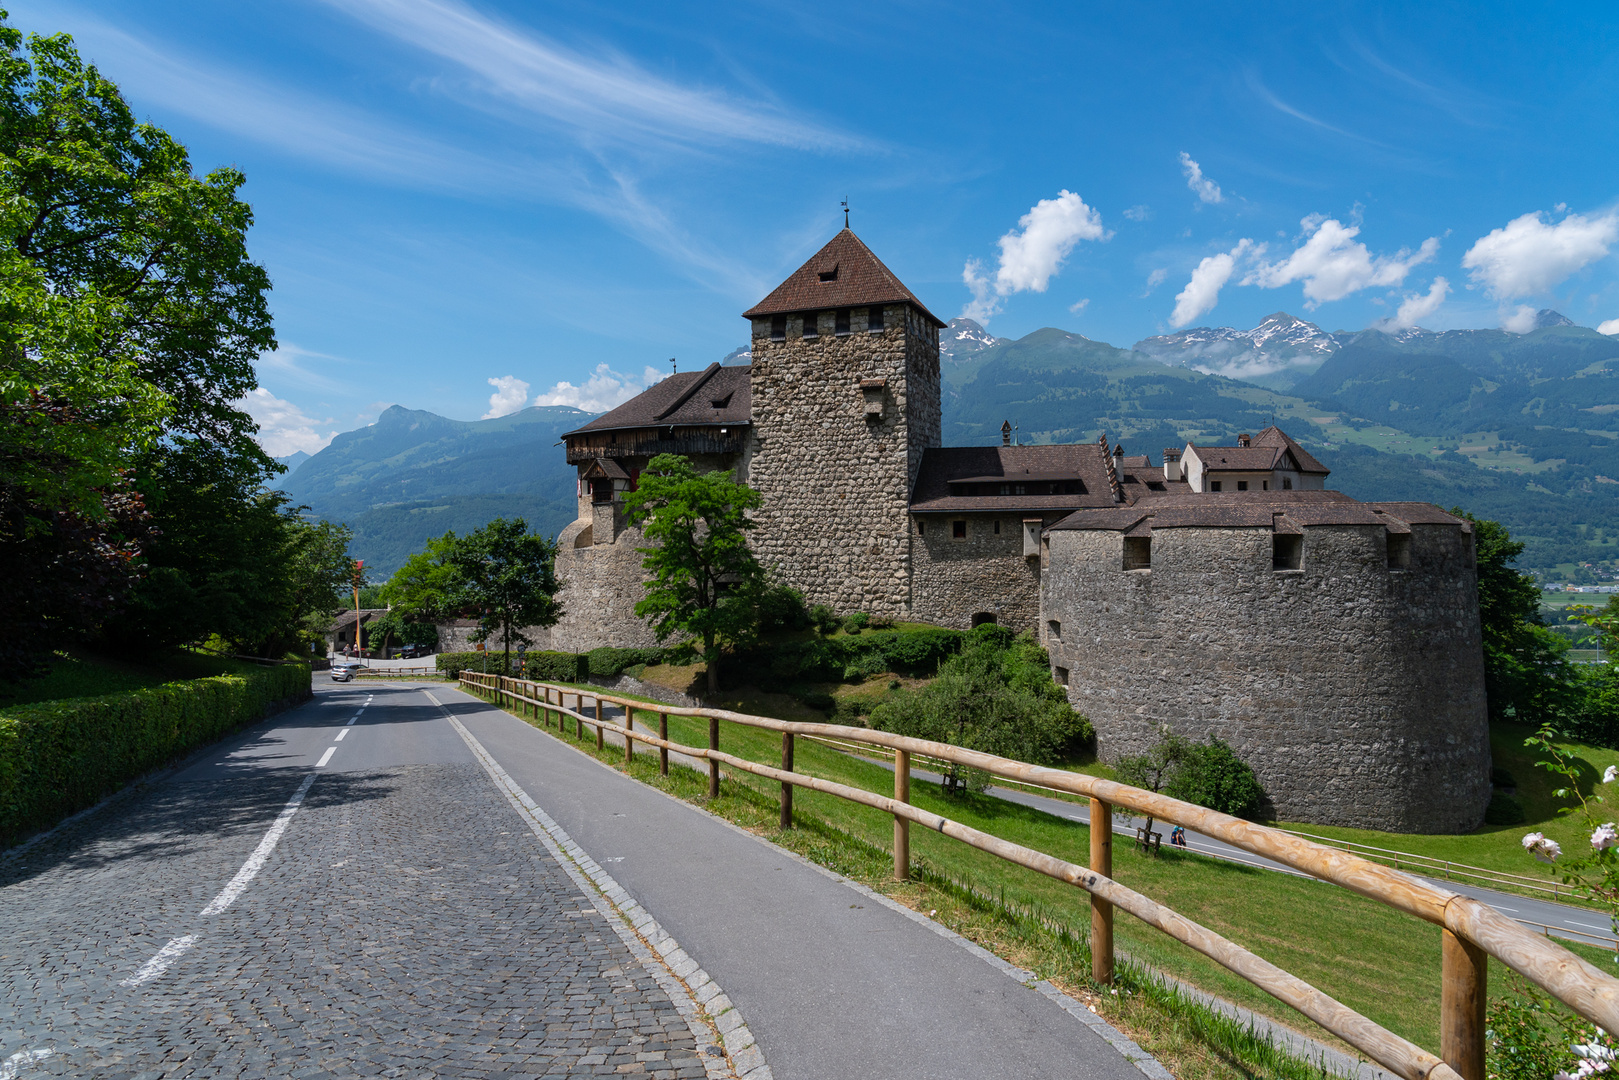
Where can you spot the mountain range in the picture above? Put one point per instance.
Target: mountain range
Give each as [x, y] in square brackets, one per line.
[1522, 428]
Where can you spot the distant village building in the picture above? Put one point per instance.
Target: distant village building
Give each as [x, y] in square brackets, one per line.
[1335, 644]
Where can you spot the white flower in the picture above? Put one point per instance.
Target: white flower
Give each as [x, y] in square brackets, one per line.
[1610, 774]
[1606, 836]
[1541, 848]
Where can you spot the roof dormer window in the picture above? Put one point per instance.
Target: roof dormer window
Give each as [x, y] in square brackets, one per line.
[830, 275]
[720, 403]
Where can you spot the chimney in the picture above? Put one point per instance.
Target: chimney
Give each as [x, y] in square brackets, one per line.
[1118, 456]
[1245, 440]
[1172, 463]
[1006, 433]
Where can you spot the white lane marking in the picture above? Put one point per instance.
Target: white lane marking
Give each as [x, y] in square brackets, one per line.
[1500, 907]
[158, 964]
[327, 756]
[1588, 926]
[255, 861]
[353, 718]
[340, 733]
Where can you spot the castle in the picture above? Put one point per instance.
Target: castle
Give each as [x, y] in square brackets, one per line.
[1334, 644]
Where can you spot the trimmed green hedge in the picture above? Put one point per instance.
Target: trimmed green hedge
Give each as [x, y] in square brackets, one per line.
[917, 652]
[59, 757]
[542, 666]
[609, 663]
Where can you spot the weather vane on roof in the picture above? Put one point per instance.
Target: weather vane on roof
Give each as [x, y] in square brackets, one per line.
[674, 367]
[845, 205]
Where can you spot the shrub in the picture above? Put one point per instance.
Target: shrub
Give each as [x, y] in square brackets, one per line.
[868, 663]
[856, 622]
[542, 666]
[823, 619]
[58, 757]
[995, 696]
[609, 663]
[1208, 774]
[1499, 777]
[782, 608]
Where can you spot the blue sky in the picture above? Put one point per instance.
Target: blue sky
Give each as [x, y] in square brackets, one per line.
[449, 193]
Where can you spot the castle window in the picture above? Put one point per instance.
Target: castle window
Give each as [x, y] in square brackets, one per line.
[1022, 489]
[1053, 629]
[1242, 485]
[921, 528]
[997, 526]
[1286, 551]
[1060, 675]
[830, 275]
[778, 328]
[1265, 484]
[843, 321]
[1006, 489]
[812, 325]
[874, 320]
[1287, 483]
[1399, 551]
[958, 530]
[1138, 553]
[1214, 485]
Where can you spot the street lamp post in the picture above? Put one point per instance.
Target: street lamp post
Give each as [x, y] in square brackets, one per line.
[359, 575]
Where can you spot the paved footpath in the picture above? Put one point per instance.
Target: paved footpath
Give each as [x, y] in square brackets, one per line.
[360, 887]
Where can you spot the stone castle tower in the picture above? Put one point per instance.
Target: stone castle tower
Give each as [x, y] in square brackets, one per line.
[845, 399]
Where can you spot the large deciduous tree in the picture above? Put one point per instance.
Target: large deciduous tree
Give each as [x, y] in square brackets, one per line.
[130, 317]
[507, 575]
[704, 581]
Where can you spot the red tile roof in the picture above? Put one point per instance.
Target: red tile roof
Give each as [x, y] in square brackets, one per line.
[686, 399]
[853, 277]
[944, 465]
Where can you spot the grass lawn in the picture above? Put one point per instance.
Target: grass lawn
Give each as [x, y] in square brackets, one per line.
[1376, 960]
[79, 674]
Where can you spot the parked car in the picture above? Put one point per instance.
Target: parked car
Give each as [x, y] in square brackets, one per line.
[415, 652]
[343, 670]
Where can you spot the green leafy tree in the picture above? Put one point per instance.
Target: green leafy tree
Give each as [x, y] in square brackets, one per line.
[1527, 676]
[1208, 774]
[508, 575]
[996, 696]
[425, 588]
[704, 581]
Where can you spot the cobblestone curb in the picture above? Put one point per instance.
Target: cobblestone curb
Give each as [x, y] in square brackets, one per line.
[725, 1044]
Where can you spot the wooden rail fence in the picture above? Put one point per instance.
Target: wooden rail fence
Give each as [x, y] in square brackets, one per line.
[1470, 930]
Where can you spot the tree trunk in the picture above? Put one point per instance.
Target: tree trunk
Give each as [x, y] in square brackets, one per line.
[713, 655]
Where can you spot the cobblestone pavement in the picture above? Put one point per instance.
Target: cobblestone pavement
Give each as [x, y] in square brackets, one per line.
[406, 925]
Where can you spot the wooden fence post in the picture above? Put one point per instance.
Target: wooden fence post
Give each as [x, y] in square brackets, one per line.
[786, 788]
[663, 751]
[713, 766]
[1101, 910]
[1464, 967]
[902, 826]
[629, 743]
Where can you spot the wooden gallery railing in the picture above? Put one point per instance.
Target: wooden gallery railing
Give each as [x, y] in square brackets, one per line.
[1469, 930]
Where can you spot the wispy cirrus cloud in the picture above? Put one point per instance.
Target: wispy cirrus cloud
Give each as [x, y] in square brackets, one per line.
[605, 96]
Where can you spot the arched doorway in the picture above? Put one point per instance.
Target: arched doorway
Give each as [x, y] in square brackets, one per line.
[982, 617]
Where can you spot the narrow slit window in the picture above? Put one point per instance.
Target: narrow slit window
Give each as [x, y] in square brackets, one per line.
[997, 526]
[778, 328]
[1399, 551]
[1287, 551]
[1138, 553]
[921, 528]
[874, 320]
[811, 325]
[843, 321]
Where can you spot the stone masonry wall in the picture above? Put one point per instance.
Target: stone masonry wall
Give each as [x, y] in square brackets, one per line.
[835, 484]
[953, 580]
[1356, 693]
[601, 584]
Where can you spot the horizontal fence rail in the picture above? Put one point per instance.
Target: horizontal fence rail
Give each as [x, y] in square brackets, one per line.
[1471, 930]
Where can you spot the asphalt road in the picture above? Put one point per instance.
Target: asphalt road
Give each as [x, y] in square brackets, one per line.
[342, 891]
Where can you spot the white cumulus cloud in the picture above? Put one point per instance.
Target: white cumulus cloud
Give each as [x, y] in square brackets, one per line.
[1031, 257]
[1520, 321]
[1332, 264]
[1202, 292]
[1609, 327]
[1416, 307]
[1206, 189]
[604, 389]
[511, 394]
[1529, 255]
[283, 427]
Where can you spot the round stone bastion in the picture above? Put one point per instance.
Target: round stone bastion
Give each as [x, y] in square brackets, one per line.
[1334, 645]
